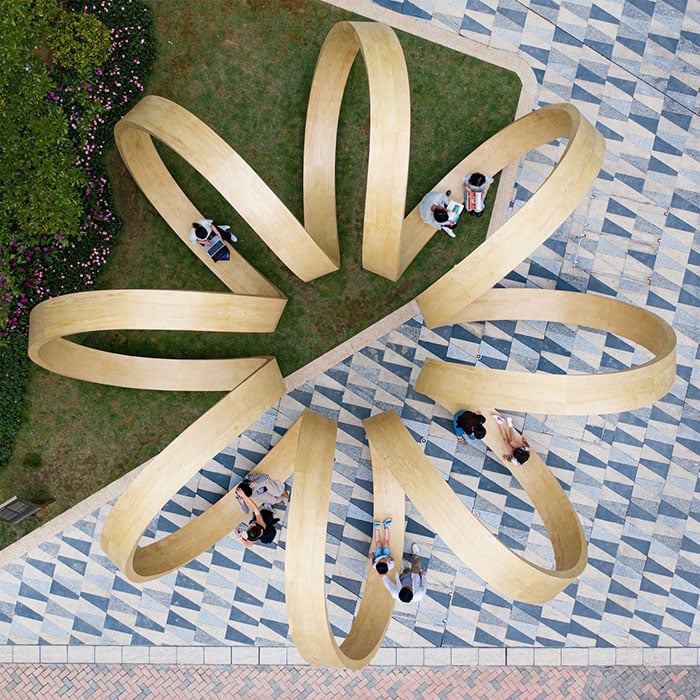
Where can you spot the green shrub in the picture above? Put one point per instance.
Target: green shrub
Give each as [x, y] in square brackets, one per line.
[13, 379]
[79, 42]
[40, 188]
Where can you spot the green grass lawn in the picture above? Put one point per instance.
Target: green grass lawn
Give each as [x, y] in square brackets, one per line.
[245, 68]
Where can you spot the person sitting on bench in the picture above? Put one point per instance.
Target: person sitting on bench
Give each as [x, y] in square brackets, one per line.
[476, 185]
[211, 237]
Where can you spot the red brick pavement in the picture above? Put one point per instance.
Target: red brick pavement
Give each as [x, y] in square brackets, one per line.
[137, 682]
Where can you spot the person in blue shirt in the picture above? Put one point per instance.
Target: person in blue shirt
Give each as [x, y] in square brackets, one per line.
[469, 424]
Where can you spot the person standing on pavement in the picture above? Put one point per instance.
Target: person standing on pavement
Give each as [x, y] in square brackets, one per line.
[411, 582]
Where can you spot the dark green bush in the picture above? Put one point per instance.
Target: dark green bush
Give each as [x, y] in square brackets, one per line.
[13, 379]
[40, 188]
[56, 219]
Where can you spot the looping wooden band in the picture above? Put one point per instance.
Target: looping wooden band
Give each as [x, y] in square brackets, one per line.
[390, 243]
[529, 227]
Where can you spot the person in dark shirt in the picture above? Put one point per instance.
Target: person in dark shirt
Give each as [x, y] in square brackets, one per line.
[468, 424]
[261, 527]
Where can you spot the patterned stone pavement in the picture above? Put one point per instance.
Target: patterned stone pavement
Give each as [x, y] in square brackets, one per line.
[137, 682]
[629, 627]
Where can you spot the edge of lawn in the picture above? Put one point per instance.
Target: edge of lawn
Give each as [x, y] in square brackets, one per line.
[501, 202]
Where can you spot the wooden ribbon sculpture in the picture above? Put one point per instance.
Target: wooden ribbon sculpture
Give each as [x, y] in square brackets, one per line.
[390, 242]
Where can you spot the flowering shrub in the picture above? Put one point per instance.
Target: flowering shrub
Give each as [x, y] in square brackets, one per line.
[66, 258]
[40, 190]
[62, 263]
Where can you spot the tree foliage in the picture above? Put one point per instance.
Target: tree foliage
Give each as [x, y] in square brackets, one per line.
[40, 189]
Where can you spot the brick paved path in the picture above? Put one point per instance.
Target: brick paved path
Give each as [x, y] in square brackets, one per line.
[137, 682]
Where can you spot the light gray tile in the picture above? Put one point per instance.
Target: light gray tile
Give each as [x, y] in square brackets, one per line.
[465, 656]
[136, 655]
[219, 656]
[437, 657]
[520, 657]
[81, 654]
[108, 655]
[245, 656]
[57, 654]
[492, 657]
[294, 658]
[574, 657]
[190, 655]
[656, 657]
[24, 653]
[411, 656]
[629, 656]
[684, 657]
[601, 657]
[273, 656]
[547, 657]
[163, 655]
[384, 657]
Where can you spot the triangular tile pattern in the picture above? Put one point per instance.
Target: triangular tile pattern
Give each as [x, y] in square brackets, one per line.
[635, 511]
[631, 67]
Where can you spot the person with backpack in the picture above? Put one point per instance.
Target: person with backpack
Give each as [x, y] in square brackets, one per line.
[476, 185]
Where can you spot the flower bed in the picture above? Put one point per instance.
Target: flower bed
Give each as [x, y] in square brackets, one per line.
[57, 265]
[92, 109]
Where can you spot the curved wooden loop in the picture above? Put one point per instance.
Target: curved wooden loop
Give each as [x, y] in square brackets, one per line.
[465, 535]
[390, 243]
[147, 309]
[389, 140]
[454, 385]
[237, 182]
[305, 556]
[173, 467]
[442, 302]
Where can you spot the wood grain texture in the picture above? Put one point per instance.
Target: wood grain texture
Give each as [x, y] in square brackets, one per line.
[389, 140]
[305, 586]
[235, 180]
[461, 530]
[173, 467]
[390, 243]
[554, 201]
[449, 383]
[149, 309]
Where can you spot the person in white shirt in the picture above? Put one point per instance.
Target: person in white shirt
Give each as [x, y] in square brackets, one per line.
[433, 211]
[411, 582]
[263, 489]
[476, 185]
